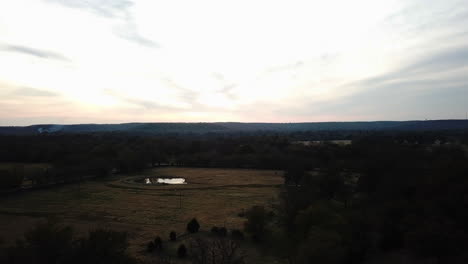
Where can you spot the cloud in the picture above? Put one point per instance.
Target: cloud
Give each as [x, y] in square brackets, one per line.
[425, 66]
[140, 102]
[108, 8]
[218, 76]
[442, 61]
[287, 67]
[34, 52]
[186, 95]
[129, 31]
[115, 9]
[431, 86]
[228, 91]
[227, 87]
[28, 91]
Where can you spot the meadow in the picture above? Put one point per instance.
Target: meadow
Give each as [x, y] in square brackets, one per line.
[214, 196]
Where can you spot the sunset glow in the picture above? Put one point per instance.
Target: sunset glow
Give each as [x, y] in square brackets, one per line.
[70, 61]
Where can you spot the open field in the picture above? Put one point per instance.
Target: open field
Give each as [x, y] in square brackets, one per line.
[213, 196]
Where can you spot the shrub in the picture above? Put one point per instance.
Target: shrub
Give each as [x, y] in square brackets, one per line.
[51, 243]
[11, 178]
[182, 251]
[46, 243]
[173, 236]
[321, 246]
[222, 232]
[158, 244]
[219, 231]
[193, 226]
[150, 247]
[215, 230]
[257, 220]
[103, 246]
[237, 234]
[215, 250]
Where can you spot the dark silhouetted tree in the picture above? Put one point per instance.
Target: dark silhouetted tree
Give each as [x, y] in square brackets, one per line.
[222, 232]
[173, 236]
[150, 247]
[103, 246]
[158, 246]
[257, 220]
[193, 226]
[46, 243]
[182, 251]
[237, 234]
[215, 230]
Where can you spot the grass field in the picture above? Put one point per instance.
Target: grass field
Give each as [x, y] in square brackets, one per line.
[213, 196]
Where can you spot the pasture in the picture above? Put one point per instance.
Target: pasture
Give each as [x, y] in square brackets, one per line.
[214, 196]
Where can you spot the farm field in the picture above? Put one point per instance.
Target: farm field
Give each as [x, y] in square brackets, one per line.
[214, 196]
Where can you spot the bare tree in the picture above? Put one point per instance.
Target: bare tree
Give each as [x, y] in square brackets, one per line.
[215, 251]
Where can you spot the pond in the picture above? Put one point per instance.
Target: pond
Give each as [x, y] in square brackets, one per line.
[165, 181]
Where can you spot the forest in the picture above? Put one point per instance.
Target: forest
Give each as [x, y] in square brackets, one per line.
[386, 196]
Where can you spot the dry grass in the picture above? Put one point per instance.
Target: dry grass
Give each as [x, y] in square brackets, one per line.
[213, 196]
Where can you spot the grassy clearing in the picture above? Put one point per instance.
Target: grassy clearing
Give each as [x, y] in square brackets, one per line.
[213, 196]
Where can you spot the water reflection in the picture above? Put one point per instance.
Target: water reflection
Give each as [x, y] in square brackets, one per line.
[165, 181]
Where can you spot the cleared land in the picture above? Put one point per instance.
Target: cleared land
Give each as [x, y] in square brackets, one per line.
[213, 196]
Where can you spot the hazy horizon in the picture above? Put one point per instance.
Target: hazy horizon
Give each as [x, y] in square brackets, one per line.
[259, 122]
[122, 61]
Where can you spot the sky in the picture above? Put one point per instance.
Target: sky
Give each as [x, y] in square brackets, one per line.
[115, 61]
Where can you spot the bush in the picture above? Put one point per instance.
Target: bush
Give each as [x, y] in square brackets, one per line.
[257, 220]
[103, 246]
[237, 234]
[321, 246]
[215, 250]
[11, 178]
[222, 232]
[215, 230]
[434, 239]
[219, 231]
[46, 243]
[51, 243]
[173, 236]
[182, 251]
[193, 226]
[158, 244]
[150, 247]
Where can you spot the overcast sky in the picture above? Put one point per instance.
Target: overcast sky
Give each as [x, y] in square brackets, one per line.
[112, 61]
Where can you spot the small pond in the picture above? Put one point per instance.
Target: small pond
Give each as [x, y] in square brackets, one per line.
[165, 181]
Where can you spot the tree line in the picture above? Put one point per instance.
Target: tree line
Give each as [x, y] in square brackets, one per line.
[387, 198]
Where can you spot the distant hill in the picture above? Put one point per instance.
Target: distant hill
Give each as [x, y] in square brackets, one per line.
[228, 127]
